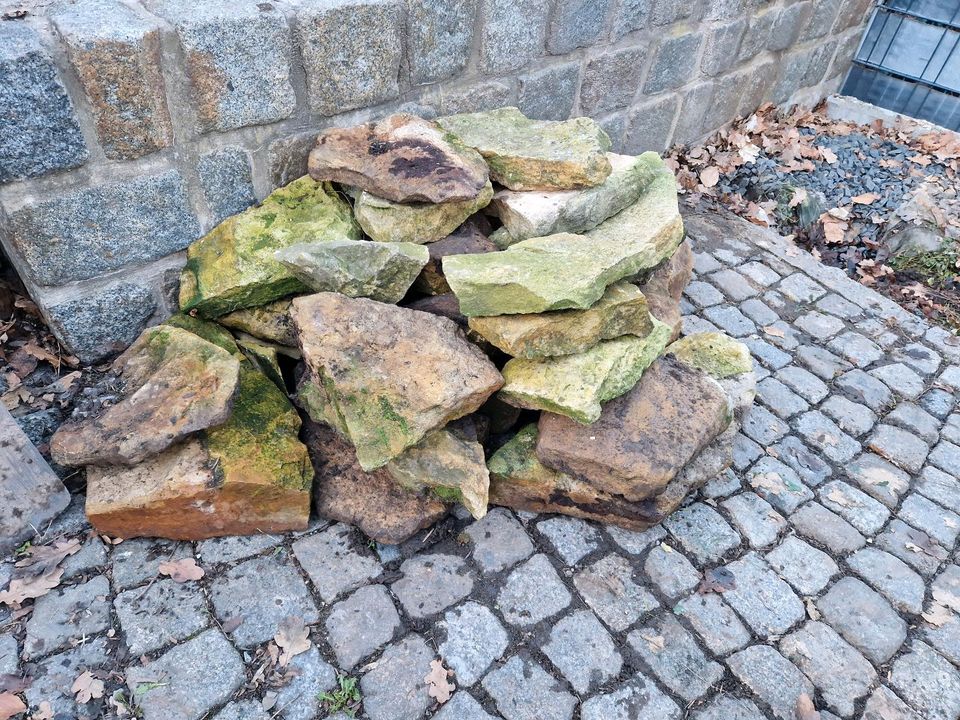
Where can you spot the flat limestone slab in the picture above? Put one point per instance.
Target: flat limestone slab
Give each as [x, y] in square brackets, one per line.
[31, 494]
[538, 213]
[567, 271]
[577, 385]
[525, 154]
[233, 266]
[621, 311]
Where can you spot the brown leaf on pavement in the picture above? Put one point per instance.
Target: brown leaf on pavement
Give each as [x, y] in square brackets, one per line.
[182, 570]
[438, 685]
[41, 558]
[938, 615]
[804, 709]
[717, 580]
[30, 587]
[14, 683]
[709, 176]
[292, 638]
[10, 705]
[86, 688]
[865, 199]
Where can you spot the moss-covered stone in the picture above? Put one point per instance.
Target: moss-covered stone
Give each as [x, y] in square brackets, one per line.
[621, 311]
[209, 331]
[567, 271]
[313, 399]
[451, 467]
[263, 356]
[420, 223]
[270, 322]
[525, 154]
[233, 266]
[380, 271]
[716, 354]
[577, 385]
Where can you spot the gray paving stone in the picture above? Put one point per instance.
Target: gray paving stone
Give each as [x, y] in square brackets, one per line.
[760, 273]
[920, 357]
[807, 569]
[164, 613]
[583, 651]
[841, 674]
[815, 522]
[474, 640]
[754, 517]
[462, 706]
[675, 658]
[823, 363]
[763, 426]
[766, 353]
[917, 420]
[692, 324]
[879, 478]
[310, 675]
[808, 385]
[853, 418]
[940, 487]
[946, 587]
[839, 306]
[9, 655]
[609, 589]
[778, 484]
[229, 549]
[724, 484]
[914, 547]
[937, 402]
[635, 542]
[66, 615]
[522, 690]
[670, 571]
[855, 348]
[951, 429]
[729, 257]
[92, 555]
[780, 399]
[937, 522]
[859, 509]
[821, 432]
[879, 332]
[757, 310]
[946, 456]
[863, 618]
[713, 620]
[745, 452]
[704, 262]
[432, 583]
[703, 294]
[54, 676]
[809, 466]
[637, 697]
[819, 325]
[262, 591]
[242, 710]
[771, 677]
[360, 624]
[734, 285]
[136, 561]
[891, 577]
[899, 446]
[572, 538]
[799, 288]
[394, 689]
[901, 379]
[335, 561]
[763, 600]
[927, 682]
[728, 707]
[866, 389]
[532, 592]
[702, 531]
[884, 703]
[499, 541]
[945, 637]
[189, 680]
[783, 335]
[951, 376]
[731, 320]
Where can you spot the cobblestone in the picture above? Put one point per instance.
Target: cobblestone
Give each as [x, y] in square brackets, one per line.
[763, 600]
[533, 592]
[730, 320]
[609, 588]
[522, 690]
[891, 577]
[853, 418]
[780, 399]
[866, 389]
[879, 479]
[928, 682]
[917, 420]
[819, 325]
[395, 689]
[778, 484]
[915, 548]
[809, 466]
[716, 624]
[817, 523]
[935, 521]
[937, 402]
[675, 658]
[861, 510]
[636, 695]
[702, 531]
[807, 569]
[864, 619]
[821, 432]
[899, 447]
[901, 379]
[764, 427]
[474, 639]
[756, 520]
[572, 538]
[799, 288]
[499, 541]
[940, 487]
[583, 651]
[360, 624]
[334, 563]
[166, 612]
[946, 456]
[821, 362]
[772, 677]
[855, 348]
[432, 583]
[66, 615]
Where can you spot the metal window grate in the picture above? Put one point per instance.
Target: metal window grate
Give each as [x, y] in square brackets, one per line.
[909, 60]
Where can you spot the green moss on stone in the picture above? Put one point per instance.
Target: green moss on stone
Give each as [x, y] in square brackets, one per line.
[714, 353]
[209, 331]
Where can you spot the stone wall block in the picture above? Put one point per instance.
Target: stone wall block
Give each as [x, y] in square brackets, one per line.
[819, 58]
[695, 112]
[822, 18]
[793, 68]
[674, 63]
[788, 25]
[610, 80]
[226, 180]
[754, 91]
[287, 157]
[439, 37]
[475, 98]
[665, 12]
[549, 94]
[576, 24]
[615, 126]
[82, 234]
[39, 131]
[351, 50]
[846, 49]
[757, 35]
[115, 52]
[723, 44]
[237, 56]
[852, 13]
[514, 33]
[629, 16]
[651, 124]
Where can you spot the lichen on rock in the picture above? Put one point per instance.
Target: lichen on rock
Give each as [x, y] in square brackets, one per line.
[716, 354]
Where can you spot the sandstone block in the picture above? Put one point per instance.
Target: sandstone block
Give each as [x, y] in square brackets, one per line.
[39, 132]
[237, 58]
[664, 286]
[271, 322]
[439, 37]
[402, 158]
[115, 52]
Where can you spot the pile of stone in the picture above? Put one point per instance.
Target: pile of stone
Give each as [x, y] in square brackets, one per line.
[481, 309]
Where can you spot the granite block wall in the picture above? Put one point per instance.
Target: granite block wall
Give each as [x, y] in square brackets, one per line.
[127, 129]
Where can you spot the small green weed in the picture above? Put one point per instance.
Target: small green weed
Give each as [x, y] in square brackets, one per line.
[345, 698]
[937, 268]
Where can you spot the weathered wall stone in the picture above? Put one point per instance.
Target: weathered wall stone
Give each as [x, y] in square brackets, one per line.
[351, 52]
[439, 37]
[630, 15]
[237, 56]
[723, 42]
[549, 94]
[672, 65]
[610, 80]
[651, 125]
[227, 185]
[115, 52]
[79, 235]
[576, 24]
[514, 33]
[39, 132]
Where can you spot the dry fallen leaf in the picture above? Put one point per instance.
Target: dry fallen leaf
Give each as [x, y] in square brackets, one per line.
[655, 642]
[839, 498]
[181, 570]
[812, 612]
[938, 615]
[865, 198]
[829, 156]
[86, 687]
[799, 195]
[805, 709]
[292, 638]
[717, 580]
[773, 331]
[30, 587]
[438, 686]
[10, 705]
[709, 176]
[45, 712]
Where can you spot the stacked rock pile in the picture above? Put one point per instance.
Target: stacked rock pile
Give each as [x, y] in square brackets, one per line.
[482, 309]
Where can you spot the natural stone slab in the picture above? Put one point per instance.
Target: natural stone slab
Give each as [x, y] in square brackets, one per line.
[31, 494]
[387, 221]
[467, 239]
[526, 154]
[664, 286]
[716, 354]
[622, 310]
[536, 214]
[642, 439]
[402, 158]
[577, 385]
[269, 322]
[373, 501]
[161, 373]
[380, 271]
[362, 349]
[565, 271]
[233, 267]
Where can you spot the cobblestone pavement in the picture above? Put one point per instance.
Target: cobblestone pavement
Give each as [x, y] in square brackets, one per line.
[838, 526]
